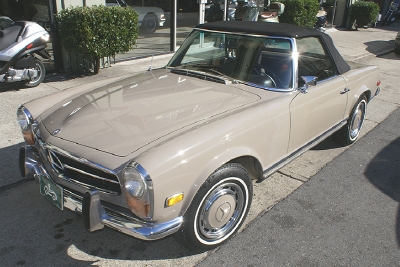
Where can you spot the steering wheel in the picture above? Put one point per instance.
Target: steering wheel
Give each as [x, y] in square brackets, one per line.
[274, 79]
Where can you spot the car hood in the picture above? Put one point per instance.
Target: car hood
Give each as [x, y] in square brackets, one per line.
[125, 116]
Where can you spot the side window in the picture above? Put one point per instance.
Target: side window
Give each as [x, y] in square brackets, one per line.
[134, 2]
[111, 2]
[314, 60]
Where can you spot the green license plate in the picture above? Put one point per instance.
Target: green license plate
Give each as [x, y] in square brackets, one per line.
[51, 191]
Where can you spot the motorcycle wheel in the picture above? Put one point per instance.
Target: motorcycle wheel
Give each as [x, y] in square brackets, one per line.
[41, 73]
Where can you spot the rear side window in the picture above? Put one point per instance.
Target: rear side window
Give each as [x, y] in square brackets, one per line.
[314, 59]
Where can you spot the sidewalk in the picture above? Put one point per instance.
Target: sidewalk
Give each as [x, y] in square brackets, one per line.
[364, 43]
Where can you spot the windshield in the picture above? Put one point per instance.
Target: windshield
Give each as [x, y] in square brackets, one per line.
[5, 22]
[259, 61]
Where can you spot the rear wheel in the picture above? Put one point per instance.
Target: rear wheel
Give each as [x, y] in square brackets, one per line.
[41, 72]
[350, 132]
[150, 23]
[217, 210]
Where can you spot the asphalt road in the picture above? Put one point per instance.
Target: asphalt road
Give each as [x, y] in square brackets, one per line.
[348, 214]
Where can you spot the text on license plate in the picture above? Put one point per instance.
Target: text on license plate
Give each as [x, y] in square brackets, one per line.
[51, 191]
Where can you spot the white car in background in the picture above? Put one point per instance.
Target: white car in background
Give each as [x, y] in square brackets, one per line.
[150, 18]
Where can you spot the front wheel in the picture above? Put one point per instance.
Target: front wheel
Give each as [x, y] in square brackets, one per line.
[350, 132]
[41, 72]
[217, 210]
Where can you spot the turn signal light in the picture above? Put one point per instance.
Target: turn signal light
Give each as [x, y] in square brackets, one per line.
[29, 46]
[172, 200]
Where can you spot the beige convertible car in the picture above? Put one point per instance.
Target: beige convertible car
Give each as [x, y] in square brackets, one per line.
[174, 150]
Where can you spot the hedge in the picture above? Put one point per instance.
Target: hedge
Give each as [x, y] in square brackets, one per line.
[98, 31]
[300, 12]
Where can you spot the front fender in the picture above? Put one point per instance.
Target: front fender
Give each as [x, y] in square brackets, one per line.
[183, 162]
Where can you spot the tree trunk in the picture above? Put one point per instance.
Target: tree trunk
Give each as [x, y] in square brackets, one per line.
[96, 65]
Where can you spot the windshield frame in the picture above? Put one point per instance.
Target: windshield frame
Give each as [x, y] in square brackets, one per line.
[290, 53]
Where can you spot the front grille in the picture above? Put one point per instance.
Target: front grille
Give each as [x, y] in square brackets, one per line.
[83, 172]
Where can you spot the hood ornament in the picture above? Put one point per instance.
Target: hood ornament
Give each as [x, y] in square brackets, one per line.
[55, 132]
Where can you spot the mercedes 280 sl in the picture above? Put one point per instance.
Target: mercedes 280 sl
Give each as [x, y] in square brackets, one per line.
[174, 150]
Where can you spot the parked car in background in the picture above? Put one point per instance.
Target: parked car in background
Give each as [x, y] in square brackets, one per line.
[150, 17]
[5, 22]
[397, 44]
[173, 151]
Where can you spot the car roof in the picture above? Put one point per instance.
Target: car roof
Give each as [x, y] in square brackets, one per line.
[260, 27]
[278, 29]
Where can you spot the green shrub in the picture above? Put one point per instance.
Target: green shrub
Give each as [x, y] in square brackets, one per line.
[363, 13]
[300, 12]
[98, 31]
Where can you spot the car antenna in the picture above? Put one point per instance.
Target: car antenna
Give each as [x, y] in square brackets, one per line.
[151, 62]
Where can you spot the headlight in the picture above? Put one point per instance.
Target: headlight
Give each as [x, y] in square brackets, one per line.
[25, 121]
[138, 189]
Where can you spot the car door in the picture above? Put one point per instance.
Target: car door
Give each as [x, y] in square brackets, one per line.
[322, 107]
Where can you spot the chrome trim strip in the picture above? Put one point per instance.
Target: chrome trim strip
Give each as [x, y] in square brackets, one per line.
[44, 147]
[87, 186]
[77, 158]
[150, 190]
[141, 170]
[302, 149]
[89, 174]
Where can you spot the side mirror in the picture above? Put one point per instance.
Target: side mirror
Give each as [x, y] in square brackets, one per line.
[308, 81]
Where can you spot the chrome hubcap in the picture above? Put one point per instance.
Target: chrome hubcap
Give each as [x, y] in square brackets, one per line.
[357, 120]
[221, 211]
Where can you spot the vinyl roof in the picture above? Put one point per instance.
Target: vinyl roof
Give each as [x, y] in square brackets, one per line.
[263, 28]
[278, 29]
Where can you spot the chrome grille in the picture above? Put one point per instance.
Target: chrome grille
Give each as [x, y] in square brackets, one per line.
[80, 171]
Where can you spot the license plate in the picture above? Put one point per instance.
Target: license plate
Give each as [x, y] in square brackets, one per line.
[51, 191]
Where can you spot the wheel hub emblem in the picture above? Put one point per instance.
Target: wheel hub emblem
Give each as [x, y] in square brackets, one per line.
[222, 212]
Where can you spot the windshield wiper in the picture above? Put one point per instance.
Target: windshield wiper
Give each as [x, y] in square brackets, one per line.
[205, 69]
[202, 74]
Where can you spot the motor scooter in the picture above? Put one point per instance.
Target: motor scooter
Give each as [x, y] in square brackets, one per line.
[20, 42]
[391, 13]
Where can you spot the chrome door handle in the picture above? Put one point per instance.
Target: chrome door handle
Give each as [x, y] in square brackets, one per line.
[345, 91]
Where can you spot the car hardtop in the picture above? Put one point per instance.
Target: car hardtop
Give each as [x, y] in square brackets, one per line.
[278, 30]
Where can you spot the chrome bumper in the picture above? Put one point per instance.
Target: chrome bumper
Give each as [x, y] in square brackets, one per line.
[94, 214]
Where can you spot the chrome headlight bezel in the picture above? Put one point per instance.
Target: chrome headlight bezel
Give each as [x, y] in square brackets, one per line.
[138, 190]
[26, 124]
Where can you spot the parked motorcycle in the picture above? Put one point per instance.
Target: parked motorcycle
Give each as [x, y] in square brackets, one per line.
[391, 13]
[20, 42]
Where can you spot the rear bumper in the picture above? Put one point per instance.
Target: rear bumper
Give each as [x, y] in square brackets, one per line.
[95, 215]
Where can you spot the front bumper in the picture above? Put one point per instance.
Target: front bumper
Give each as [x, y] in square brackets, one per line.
[95, 215]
